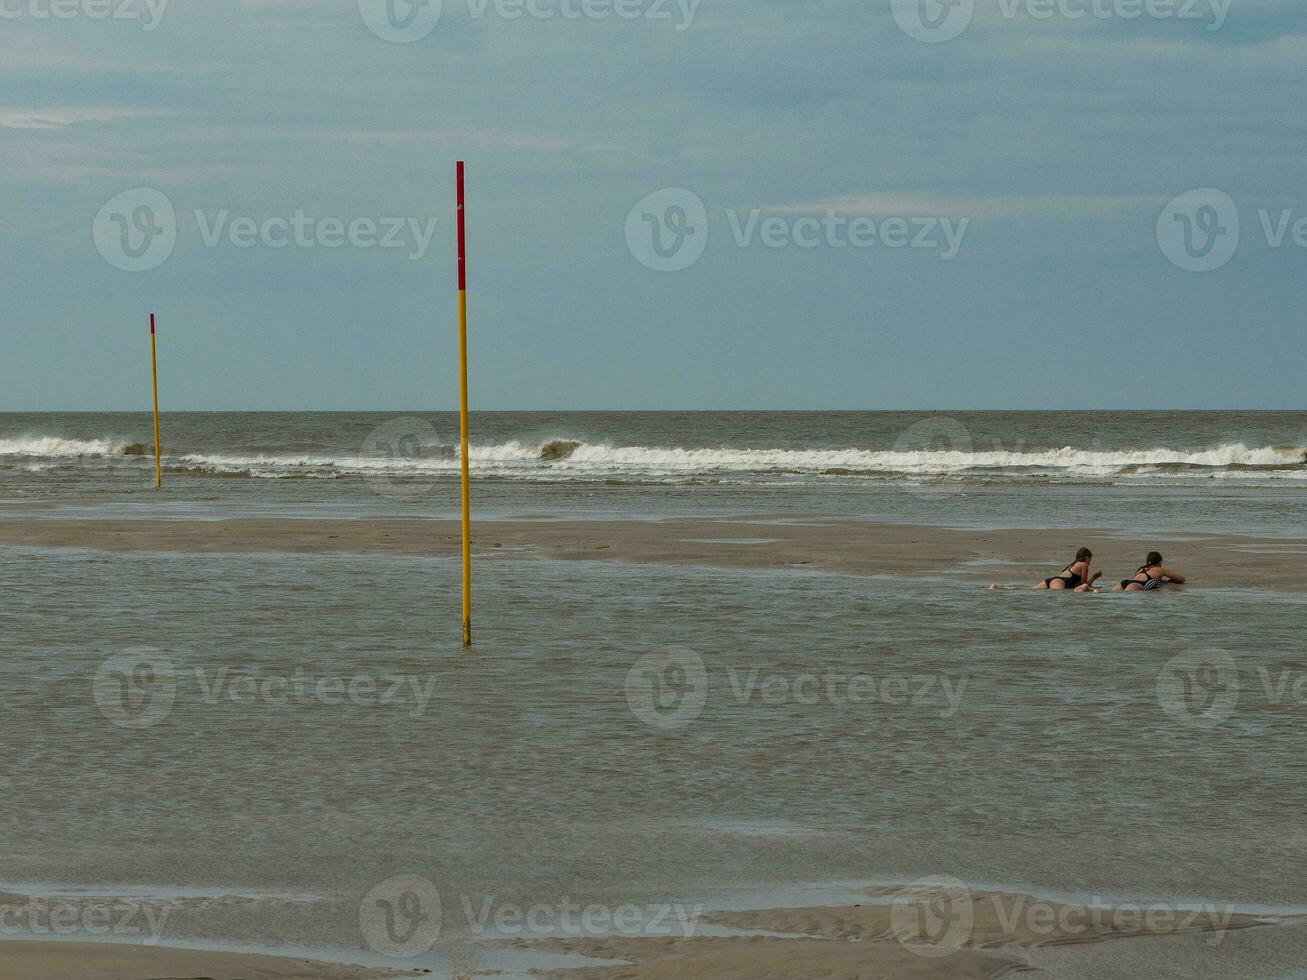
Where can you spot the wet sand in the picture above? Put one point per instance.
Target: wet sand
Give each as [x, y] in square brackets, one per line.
[1013, 557]
[920, 935]
[113, 961]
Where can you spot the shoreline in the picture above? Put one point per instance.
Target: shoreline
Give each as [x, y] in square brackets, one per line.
[1013, 556]
[936, 928]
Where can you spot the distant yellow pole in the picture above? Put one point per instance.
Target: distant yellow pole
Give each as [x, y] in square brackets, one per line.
[462, 413]
[154, 374]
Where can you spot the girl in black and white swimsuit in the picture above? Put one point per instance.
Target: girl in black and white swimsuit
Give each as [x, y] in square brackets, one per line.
[1152, 574]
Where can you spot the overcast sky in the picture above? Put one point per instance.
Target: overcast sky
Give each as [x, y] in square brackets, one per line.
[921, 207]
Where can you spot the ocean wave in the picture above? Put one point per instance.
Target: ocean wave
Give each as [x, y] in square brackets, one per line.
[57, 447]
[564, 458]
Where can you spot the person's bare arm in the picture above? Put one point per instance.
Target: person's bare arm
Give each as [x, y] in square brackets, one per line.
[1088, 586]
[1171, 576]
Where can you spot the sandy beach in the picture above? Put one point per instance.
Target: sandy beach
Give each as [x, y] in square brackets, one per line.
[1014, 557]
[107, 961]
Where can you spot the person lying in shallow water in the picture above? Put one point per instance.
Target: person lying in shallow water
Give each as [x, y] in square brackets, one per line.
[1152, 574]
[1075, 577]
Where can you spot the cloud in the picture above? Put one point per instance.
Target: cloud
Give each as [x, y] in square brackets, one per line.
[477, 140]
[60, 118]
[900, 204]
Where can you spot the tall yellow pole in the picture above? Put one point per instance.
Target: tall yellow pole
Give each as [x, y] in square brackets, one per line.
[154, 374]
[462, 413]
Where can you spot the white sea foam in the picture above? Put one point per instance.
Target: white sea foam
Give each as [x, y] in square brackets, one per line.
[531, 460]
[564, 459]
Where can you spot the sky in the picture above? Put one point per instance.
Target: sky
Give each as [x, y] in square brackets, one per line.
[672, 204]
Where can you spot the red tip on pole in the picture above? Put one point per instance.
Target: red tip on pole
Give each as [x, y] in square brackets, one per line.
[462, 239]
[151, 323]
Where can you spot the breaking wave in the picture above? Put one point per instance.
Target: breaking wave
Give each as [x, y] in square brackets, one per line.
[55, 447]
[562, 459]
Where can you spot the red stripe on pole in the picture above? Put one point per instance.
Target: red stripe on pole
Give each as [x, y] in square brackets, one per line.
[151, 323]
[462, 239]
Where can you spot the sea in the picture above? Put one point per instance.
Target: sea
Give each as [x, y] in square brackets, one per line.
[1244, 471]
[285, 752]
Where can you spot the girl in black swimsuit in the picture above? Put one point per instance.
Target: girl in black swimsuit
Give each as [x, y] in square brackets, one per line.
[1152, 574]
[1075, 576]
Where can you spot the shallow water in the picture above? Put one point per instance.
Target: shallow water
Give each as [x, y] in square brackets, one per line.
[893, 728]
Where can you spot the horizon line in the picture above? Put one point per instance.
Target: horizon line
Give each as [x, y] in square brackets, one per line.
[624, 411]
